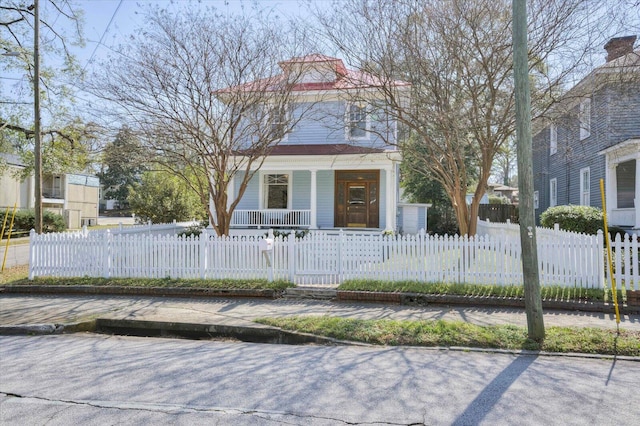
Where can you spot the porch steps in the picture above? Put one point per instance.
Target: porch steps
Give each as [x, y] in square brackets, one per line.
[315, 293]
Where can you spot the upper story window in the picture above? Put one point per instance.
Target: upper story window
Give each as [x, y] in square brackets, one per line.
[357, 122]
[585, 118]
[279, 119]
[553, 139]
[585, 186]
[276, 191]
[553, 192]
[536, 200]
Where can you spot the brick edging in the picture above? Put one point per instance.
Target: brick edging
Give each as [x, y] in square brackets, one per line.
[421, 299]
[140, 291]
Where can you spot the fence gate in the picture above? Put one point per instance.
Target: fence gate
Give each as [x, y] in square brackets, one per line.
[328, 259]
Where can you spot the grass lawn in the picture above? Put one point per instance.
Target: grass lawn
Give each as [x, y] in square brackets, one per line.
[449, 333]
[14, 274]
[19, 276]
[548, 292]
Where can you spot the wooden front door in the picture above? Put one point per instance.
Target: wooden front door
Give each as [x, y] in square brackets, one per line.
[356, 200]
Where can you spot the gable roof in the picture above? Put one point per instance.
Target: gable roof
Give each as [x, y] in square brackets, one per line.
[627, 64]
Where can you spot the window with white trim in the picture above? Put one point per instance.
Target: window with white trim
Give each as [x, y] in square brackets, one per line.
[585, 186]
[553, 139]
[279, 120]
[553, 192]
[357, 122]
[276, 191]
[585, 118]
[536, 200]
[626, 184]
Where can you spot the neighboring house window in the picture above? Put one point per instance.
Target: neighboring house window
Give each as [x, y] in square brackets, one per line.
[553, 192]
[585, 187]
[626, 184]
[585, 118]
[536, 200]
[553, 139]
[276, 191]
[358, 122]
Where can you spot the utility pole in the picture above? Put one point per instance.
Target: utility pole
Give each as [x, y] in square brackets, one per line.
[532, 298]
[36, 110]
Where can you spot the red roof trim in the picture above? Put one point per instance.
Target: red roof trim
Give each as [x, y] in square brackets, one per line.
[323, 149]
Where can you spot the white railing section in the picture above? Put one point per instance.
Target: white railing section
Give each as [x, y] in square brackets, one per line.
[270, 218]
[146, 228]
[573, 260]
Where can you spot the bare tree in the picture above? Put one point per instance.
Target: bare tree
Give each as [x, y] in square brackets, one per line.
[205, 93]
[457, 56]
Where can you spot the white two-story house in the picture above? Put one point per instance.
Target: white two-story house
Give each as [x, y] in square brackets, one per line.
[339, 165]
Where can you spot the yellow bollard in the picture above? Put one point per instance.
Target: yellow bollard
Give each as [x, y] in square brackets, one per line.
[6, 249]
[4, 224]
[608, 242]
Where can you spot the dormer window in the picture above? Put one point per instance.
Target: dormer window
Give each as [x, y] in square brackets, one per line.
[358, 122]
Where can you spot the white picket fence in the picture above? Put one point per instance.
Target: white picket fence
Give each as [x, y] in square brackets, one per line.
[330, 258]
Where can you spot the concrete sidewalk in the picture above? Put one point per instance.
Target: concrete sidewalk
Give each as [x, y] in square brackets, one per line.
[23, 310]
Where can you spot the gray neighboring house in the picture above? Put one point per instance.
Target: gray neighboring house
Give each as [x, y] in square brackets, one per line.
[593, 133]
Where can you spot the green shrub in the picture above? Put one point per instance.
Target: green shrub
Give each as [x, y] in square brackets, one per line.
[584, 219]
[442, 220]
[498, 199]
[25, 221]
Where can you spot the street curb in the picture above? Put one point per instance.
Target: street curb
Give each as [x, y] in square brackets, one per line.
[141, 291]
[420, 299]
[252, 334]
[142, 328]
[45, 329]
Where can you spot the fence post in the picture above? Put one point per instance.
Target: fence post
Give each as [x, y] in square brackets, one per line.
[340, 251]
[32, 247]
[106, 250]
[204, 252]
[600, 255]
[291, 239]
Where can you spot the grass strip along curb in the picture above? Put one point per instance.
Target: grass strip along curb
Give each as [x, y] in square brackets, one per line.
[478, 290]
[149, 287]
[220, 284]
[451, 333]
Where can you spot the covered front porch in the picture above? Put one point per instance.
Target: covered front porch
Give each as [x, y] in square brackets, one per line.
[352, 190]
[622, 183]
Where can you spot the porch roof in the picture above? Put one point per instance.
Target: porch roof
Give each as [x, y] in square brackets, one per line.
[323, 149]
[630, 145]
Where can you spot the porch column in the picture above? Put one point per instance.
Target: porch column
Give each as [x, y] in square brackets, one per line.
[636, 203]
[314, 200]
[610, 185]
[390, 220]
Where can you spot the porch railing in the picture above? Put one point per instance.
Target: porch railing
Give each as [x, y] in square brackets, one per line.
[271, 218]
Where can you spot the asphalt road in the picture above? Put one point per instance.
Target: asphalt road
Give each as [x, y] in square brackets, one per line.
[93, 379]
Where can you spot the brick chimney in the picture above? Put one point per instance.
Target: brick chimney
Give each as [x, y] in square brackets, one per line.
[619, 46]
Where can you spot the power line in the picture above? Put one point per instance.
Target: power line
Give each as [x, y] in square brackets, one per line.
[104, 33]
